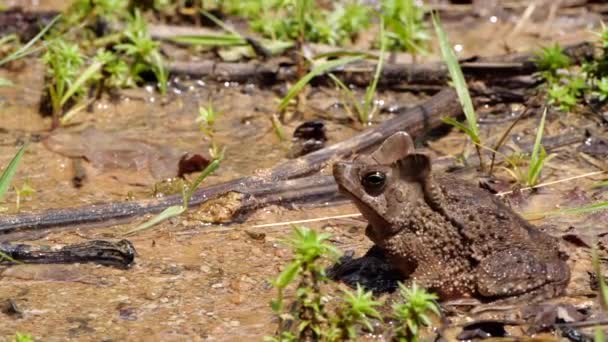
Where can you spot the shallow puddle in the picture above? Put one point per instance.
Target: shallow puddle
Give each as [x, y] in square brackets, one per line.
[194, 281]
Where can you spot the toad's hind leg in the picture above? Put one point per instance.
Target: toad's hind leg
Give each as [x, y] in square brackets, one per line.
[515, 271]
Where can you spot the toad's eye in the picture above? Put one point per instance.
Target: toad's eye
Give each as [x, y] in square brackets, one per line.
[374, 182]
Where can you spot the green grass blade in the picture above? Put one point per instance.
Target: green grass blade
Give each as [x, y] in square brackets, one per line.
[6, 39]
[220, 23]
[210, 40]
[177, 210]
[166, 214]
[211, 168]
[538, 156]
[603, 295]
[535, 169]
[6, 257]
[82, 79]
[288, 275]
[599, 335]
[345, 53]
[589, 208]
[317, 70]
[457, 124]
[457, 78]
[74, 110]
[277, 47]
[581, 210]
[25, 49]
[278, 128]
[9, 172]
[159, 71]
[5, 82]
[536, 149]
[370, 92]
[600, 184]
[349, 93]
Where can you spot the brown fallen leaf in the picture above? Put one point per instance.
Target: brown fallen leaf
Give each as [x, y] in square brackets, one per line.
[107, 151]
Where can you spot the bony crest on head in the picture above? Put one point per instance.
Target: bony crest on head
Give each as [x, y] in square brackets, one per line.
[415, 167]
[394, 148]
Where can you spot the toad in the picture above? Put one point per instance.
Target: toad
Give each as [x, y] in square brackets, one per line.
[448, 235]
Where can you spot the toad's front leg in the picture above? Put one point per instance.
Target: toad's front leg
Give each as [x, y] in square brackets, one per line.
[447, 275]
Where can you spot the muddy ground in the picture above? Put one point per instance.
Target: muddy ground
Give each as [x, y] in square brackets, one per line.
[195, 281]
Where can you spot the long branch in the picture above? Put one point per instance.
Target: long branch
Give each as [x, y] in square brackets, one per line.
[417, 121]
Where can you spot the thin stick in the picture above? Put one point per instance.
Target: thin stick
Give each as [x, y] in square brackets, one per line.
[553, 182]
[305, 221]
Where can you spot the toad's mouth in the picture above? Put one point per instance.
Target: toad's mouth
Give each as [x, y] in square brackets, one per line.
[375, 219]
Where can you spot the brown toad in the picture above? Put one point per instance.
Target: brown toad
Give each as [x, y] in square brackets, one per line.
[446, 234]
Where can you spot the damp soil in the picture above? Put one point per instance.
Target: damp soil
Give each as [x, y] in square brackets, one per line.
[195, 281]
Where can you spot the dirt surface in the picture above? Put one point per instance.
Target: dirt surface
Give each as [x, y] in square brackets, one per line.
[193, 281]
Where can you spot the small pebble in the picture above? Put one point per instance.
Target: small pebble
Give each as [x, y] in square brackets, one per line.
[152, 294]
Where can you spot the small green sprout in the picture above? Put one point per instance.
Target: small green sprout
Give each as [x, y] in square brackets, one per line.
[405, 26]
[25, 191]
[206, 118]
[117, 74]
[22, 337]
[309, 248]
[357, 309]
[567, 95]
[64, 61]
[413, 312]
[550, 59]
[602, 87]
